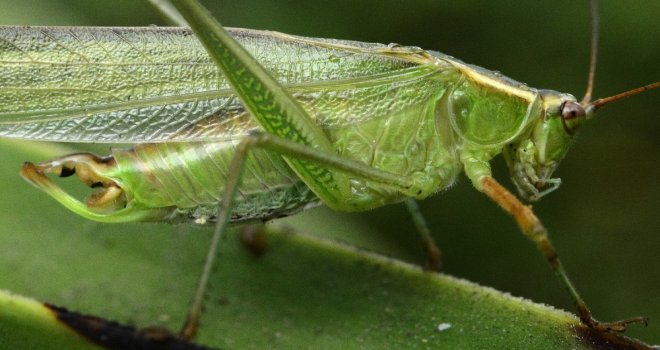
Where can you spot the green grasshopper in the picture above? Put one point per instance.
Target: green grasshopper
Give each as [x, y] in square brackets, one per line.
[351, 125]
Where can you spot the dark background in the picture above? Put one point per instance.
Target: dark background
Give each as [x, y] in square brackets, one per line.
[604, 218]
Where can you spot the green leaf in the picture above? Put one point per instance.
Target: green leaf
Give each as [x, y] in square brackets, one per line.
[303, 292]
[27, 324]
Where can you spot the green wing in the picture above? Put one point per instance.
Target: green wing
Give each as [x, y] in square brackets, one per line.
[132, 85]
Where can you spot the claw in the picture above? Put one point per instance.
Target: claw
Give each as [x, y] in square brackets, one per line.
[616, 327]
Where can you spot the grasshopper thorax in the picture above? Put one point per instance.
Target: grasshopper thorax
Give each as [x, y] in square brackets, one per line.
[533, 159]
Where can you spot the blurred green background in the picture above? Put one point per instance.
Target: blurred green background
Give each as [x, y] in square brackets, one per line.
[604, 219]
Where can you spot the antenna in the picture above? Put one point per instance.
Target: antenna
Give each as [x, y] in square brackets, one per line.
[593, 106]
[594, 53]
[586, 103]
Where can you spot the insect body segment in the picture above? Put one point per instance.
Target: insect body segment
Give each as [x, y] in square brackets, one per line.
[428, 119]
[534, 158]
[173, 182]
[494, 114]
[108, 201]
[189, 179]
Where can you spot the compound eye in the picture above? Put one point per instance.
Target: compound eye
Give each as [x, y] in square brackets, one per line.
[572, 116]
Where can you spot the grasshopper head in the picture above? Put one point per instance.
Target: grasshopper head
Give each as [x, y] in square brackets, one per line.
[533, 160]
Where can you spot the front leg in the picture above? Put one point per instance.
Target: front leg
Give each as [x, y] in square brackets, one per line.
[532, 228]
[478, 170]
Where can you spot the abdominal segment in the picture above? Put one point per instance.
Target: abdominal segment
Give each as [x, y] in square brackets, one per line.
[190, 178]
